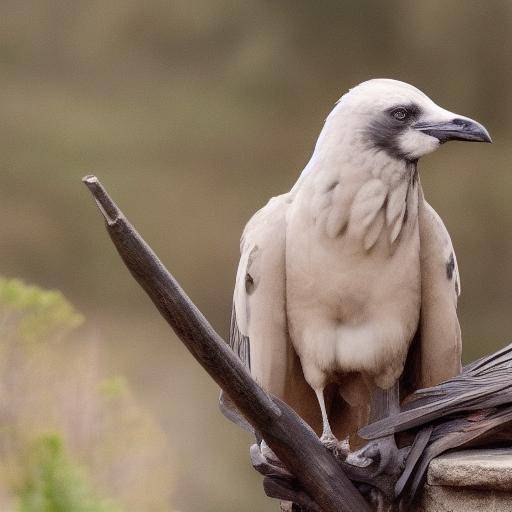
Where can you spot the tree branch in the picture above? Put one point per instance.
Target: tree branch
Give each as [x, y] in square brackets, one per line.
[296, 445]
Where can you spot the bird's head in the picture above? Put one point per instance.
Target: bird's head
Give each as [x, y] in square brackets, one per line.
[396, 118]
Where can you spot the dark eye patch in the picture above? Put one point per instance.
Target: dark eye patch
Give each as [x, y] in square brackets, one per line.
[384, 130]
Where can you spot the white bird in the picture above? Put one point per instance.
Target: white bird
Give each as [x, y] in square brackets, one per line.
[351, 271]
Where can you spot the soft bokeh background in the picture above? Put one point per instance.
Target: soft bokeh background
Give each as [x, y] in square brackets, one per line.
[194, 113]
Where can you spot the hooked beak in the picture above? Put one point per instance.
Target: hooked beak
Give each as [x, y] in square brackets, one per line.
[461, 128]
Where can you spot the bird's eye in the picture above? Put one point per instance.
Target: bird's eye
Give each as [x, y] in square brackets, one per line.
[400, 114]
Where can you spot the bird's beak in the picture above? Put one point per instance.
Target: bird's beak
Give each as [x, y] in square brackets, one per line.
[456, 128]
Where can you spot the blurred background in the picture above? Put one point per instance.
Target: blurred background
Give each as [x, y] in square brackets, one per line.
[193, 113]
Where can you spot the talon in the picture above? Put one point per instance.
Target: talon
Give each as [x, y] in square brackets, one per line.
[328, 439]
[337, 448]
[355, 459]
[345, 446]
[383, 452]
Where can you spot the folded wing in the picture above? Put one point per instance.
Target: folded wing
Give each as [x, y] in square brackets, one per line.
[259, 332]
[435, 354]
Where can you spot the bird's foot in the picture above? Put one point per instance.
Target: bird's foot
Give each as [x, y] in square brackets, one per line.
[384, 453]
[279, 483]
[337, 448]
[357, 459]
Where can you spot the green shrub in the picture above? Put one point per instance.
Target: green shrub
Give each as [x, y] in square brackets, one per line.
[55, 484]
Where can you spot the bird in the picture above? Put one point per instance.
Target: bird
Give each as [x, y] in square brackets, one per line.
[345, 298]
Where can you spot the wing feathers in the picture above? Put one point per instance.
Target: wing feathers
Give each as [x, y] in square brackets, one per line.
[440, 339]
[239, 342]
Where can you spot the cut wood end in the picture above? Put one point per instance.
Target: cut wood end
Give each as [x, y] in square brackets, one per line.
[93, 184]
[108, 208]
[90, 178]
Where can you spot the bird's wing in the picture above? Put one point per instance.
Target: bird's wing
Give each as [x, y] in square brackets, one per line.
[464, 410]
[259, 332]
[484, 384]
[435, 353]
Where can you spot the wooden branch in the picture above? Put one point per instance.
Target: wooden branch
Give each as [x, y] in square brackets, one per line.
[291, 439]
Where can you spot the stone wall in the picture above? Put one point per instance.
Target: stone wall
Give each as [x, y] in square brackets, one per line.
[469, 481]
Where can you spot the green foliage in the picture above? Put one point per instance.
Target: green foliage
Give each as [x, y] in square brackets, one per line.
[38, 313]
[55, 484]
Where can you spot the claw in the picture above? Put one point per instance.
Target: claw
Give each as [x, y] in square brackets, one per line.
[337, 448]
[356, 459]
[383, 452]
[328, 439]
[345, 446]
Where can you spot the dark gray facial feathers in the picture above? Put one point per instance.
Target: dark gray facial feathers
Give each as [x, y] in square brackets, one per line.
[384, 130]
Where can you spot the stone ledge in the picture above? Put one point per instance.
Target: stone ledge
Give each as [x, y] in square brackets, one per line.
[469, 481]
[478, 469]
[449, 499]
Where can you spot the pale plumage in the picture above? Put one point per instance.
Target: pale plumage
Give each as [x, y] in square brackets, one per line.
[340, 275]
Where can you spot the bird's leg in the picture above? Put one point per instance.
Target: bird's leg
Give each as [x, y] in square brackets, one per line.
[328, 439]
[326, 428]
[384, 403]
